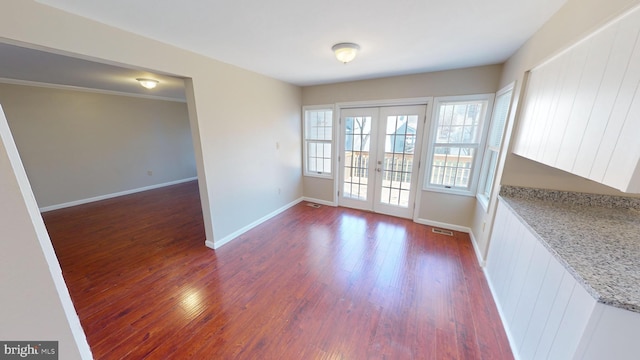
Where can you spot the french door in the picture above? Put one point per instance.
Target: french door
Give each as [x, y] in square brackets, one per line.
[379, 157]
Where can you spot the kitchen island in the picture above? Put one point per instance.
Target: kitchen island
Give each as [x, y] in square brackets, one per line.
[564, 269]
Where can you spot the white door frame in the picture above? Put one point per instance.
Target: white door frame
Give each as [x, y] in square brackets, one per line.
[428, 101]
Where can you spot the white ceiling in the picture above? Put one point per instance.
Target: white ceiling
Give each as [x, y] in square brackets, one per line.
[291, 39]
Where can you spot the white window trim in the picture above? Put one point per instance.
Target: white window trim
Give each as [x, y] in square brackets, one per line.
[304, 141]
[429, 142]
[482, 198]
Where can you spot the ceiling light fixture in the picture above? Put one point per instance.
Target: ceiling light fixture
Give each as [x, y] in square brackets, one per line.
[345, 52]
[148, 83]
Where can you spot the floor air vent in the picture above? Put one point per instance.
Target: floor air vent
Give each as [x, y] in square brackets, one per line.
[442, 231]
[315, 206]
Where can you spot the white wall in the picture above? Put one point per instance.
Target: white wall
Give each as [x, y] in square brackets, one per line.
[226, 106]
[576, 19]
[434, 207]
[227, 101]
[78, 145]
[248, 170]
[31, 308]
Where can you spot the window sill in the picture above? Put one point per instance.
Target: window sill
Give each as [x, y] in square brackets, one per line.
[319, 176]
[484, 201]
[449, 191]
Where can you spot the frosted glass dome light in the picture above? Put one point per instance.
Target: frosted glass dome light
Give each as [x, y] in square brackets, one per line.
[345, 52]
[148, 83]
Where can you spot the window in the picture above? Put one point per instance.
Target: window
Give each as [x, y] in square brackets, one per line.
[318, 137]
[456, 139]
[494, 143]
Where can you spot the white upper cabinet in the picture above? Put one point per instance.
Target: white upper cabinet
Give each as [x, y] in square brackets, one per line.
[581, 110]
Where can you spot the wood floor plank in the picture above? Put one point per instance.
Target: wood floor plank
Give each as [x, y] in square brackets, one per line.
[327, 283]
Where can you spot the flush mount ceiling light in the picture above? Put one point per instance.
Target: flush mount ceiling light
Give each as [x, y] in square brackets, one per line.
[148, 83]
[345, 52]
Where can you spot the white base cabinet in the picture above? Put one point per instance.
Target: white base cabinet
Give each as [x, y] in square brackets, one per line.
[612, 333]
[546, 312]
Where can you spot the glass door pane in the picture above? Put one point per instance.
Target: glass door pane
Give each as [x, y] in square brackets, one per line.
[378, 153]
[397, 166]
[397, 159]
[357, 144]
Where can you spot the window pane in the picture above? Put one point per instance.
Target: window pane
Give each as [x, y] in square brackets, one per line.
[444, 134]
[319, 124]
[451, 166]
[356, 156]
[390, 143]
[491, 172]
[326, 166]
[319, 157]
[327, 133]
[318, 136]
[327, 150]
[459, 123]
[400, 134]
[456, 137]
[455, 134]
[312, 165]
[494, 141]
[358, 133]
[499, 119]
[446, 114]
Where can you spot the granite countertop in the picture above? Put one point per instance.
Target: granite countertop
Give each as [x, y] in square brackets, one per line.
[595, 237]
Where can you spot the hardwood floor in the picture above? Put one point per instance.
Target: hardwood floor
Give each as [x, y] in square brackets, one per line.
[327, 283]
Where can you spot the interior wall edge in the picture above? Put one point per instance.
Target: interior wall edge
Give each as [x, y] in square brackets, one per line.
[227, 239]
[21, 239]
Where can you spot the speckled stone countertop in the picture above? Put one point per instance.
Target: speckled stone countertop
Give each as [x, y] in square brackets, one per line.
[595, 237]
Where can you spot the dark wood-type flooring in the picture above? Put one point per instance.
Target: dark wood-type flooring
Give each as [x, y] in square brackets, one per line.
[327, 283]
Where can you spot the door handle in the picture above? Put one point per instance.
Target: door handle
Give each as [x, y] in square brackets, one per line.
[378, 170]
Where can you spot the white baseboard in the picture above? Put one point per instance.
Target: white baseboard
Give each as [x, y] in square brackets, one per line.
[109, 196]
[318, 201]
[481, 261]
[217, 244]
[507, 331]
[443, 225]
[463, 229]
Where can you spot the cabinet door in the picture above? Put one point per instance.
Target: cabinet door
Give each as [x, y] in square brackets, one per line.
[581, 109]
[501, 249]
[544, 309]
[530, 295]
[547, 295]
[613, 334]
[518, 270]
[619, 113]
[598, 48]
[610, 88]
[572, 327]
[554, 316]
[623, 171]
[497, 244]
